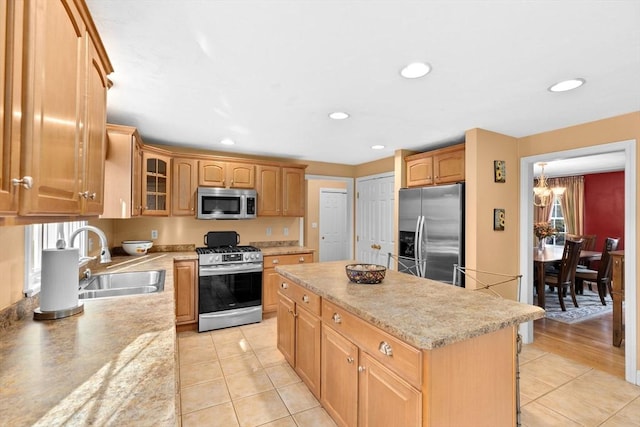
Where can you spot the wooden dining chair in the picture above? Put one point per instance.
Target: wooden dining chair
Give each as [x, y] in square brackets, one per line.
[565, 278]
[602, 276]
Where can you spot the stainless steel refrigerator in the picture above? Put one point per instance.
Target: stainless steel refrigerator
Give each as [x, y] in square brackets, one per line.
[431, 228]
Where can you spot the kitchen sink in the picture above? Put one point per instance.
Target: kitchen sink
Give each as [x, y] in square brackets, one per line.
[120, 284]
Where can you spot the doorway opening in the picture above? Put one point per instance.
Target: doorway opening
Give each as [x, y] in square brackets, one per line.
[526, 239]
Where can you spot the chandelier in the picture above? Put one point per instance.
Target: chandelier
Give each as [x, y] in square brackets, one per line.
[542, 194]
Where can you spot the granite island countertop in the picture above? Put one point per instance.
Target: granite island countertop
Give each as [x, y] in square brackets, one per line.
[424, 313]
[114, 364]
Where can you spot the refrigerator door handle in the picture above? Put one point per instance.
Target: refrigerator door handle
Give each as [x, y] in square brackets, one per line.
[416, 245]
[418, 250]
[423, 239]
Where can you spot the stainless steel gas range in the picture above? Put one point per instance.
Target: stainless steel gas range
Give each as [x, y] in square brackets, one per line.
[230, 283]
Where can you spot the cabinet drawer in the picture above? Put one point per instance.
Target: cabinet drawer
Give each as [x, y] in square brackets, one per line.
[395, 354]
[275, 260]
[301, 296]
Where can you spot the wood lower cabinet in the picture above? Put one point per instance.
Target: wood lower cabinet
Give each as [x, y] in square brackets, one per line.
[299, 329]
[185, 284]
[384, 399]
[184, 183]
[271, 279]
[444, 166]
[371, 378]
[380, 396]
[339, 381]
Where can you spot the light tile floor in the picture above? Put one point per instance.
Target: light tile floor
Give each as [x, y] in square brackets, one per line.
[237, 377]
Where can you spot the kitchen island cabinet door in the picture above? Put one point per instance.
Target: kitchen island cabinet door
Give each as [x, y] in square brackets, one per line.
[384, 399]
[186, 291]
[339, 378]
[307, 347]
[52, 119]
[286, 324]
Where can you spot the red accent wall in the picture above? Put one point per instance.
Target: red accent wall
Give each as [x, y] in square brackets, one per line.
[604, 206]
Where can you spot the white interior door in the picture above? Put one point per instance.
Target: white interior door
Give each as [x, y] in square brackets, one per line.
[374, 218]
[334, 238]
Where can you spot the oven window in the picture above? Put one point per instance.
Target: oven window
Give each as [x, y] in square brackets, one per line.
[229, 291]
[221, 204]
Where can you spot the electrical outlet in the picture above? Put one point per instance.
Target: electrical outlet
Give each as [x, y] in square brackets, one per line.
[154, 234]
[285, 231]
[268, 231]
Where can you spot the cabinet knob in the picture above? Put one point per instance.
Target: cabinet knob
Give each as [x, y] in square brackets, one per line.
[336, 318]
[301, 259]
[385, 348]
[283, 285]
[26, 182]
[349, 359]
[305, 298]
[361, 368]
[275, 261]
[87, 195]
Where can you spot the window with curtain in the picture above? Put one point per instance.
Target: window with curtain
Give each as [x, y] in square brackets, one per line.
[44, 236]
[557, 221]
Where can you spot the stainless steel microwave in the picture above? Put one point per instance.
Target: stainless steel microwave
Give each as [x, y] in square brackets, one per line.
[226, 203]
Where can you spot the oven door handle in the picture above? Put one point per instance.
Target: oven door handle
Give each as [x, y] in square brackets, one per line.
[219, 271]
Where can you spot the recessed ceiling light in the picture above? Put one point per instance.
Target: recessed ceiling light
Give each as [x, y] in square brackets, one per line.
[567, 85]
[339, 115]
[227, 141]
[415, 70]
[377, 147]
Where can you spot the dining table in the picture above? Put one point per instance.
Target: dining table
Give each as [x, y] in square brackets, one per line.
[547, 255]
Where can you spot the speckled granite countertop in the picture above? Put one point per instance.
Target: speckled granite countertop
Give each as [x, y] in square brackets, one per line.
[114, 364]
[422, 312]
[285, 250]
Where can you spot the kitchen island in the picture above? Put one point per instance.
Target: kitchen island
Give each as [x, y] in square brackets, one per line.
[407, 351]
[113, 364]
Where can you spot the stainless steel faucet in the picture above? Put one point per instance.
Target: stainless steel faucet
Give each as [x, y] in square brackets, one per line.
[105, 255]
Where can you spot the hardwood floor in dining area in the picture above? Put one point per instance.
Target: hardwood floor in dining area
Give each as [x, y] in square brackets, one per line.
[588, 342]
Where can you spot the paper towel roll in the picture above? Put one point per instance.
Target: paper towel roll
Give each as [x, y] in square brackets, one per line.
[59, 283]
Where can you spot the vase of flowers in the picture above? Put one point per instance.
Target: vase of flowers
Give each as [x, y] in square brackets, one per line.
[542, 230]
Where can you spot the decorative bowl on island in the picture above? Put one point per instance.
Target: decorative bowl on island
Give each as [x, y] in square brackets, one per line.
[136, 247]
[365, 273]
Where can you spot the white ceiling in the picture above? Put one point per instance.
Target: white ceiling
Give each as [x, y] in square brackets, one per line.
[267, 73]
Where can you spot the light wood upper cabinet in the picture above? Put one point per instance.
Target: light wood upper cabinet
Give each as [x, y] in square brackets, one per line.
[11, 14]
[123, 173]
[442, 166]
[280, 190]
[94, 143]
[53, 118]
[156, 179]
[52, 122]
[213, 173]
[184, 178]
[293, 192]
[269, 189]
